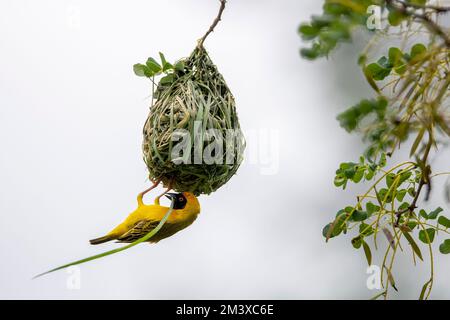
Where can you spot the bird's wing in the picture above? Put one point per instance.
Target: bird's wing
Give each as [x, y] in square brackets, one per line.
[140, 229]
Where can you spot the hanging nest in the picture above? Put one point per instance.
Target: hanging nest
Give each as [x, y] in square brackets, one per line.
[195, 99]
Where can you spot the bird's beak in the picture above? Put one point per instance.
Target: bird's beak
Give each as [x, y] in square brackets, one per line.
[170, 196]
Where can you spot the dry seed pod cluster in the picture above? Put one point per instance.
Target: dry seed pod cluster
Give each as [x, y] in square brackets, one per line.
[197, 100]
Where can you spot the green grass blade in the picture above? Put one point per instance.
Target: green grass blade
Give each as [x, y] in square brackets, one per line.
[107, 253]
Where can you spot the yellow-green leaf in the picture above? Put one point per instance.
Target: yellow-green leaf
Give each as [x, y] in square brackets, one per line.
[417, 142]
[413, 244]
[367, 252]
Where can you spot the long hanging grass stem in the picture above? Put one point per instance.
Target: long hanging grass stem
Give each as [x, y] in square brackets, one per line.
[107, 253]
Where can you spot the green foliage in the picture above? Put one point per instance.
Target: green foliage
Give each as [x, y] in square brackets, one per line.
[350, 118]
[432, 215]
[396, 62]
[444, 248]
[365, 169]
[337, 21]
[334, 26]
[392, 196]
[413, 243]
[427, 235]
[444, 221]
[411, 87]
[153, 68]
[167, 72]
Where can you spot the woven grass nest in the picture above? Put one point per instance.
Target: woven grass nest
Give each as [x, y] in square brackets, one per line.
[198, 99]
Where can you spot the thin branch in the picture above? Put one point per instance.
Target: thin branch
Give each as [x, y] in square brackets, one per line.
[435, 28]
[214, 24]
[424, 179]
[437, 9]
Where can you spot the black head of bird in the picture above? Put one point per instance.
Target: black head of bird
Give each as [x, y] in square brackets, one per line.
[179, 199]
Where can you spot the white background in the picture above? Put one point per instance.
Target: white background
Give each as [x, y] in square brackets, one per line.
[71, 114]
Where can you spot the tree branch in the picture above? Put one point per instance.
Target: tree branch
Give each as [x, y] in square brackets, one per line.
[214, 24]
[424, 179]
[403, 7]
[437, 9]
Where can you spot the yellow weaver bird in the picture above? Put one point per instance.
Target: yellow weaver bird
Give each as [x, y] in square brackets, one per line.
[146, 217]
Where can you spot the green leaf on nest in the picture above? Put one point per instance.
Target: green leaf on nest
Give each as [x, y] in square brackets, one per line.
[153, 65]
[140, 70]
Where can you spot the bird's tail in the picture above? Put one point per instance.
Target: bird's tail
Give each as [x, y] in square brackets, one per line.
[102, 239]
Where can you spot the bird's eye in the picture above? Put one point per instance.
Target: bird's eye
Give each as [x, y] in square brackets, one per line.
[180, 199]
